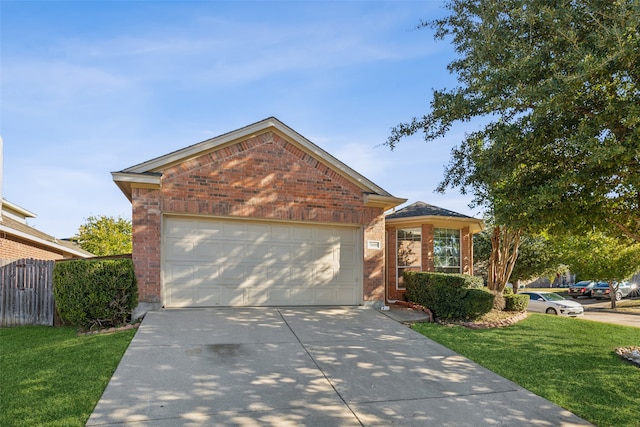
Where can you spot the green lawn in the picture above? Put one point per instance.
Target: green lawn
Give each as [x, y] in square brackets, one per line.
[51, 377]
[570, 362]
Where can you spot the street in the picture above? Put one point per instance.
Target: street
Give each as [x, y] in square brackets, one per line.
[596, 310]
[615, 318]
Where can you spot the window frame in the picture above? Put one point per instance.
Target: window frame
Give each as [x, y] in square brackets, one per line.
[417, 263]
[451, 269]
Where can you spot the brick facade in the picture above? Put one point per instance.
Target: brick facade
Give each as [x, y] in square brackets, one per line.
[266, 177]
[428, 264]
[15, 248]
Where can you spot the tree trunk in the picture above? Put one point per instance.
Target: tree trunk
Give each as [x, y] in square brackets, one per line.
[504, 252]
[612, 294]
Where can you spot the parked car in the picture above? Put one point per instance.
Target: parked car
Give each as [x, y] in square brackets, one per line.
[552, 303]
[582, 289]
[602, 290]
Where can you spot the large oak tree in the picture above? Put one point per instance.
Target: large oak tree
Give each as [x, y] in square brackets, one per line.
[557, 84]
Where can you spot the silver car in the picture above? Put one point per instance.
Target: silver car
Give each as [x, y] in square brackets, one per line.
[552, 303]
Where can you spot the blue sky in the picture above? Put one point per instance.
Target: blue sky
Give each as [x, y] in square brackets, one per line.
[91, 87]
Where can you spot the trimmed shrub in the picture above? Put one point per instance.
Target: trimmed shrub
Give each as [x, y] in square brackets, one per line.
[516, 302]
[448, 296]
[477, 302]
[95, 294]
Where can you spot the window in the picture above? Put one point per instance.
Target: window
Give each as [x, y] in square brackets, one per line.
[408, 252]
[446, 250]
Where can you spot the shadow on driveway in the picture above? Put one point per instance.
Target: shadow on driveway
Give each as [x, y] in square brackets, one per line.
[305, 366]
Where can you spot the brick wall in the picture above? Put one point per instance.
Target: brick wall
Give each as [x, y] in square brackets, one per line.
[146, 225]
[428, 262]
[15, 248]
[263, 177]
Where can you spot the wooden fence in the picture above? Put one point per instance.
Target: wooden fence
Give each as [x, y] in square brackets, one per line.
[26, 292]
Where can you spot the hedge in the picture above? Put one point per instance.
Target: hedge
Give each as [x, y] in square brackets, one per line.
[95, 294]
[448, 296]
[515, 302]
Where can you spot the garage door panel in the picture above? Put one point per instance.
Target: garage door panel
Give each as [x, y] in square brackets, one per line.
[346, 237]
[302, 296]
[279, 275]
[257, 276]
[258, 253]
[207, 296]
[207, 230]
[233, 273]
[346, 294]
[208, 250]
[323, 274]
[180, 249]
[281, 233]
[179, 297]
[207, 273]
[281, 253]
[243, 263]
[323, 254]
[180, 228]
[232, 297]
[177, 272]
[326, 236]
[303, 235]
[302, 275]
[346, 276]
[257, 232]
[347, 255]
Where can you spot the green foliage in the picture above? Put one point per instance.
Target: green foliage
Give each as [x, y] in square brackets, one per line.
[51, 377]
[448, 296]
[93, 294]
[515, 302]
[557, 86]
[596, 256]
[536, 255]
[104, 236]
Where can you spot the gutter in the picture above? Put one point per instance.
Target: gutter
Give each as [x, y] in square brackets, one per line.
[22, 235]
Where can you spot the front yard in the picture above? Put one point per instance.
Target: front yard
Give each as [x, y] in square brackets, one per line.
[52, 377]
[570, 362]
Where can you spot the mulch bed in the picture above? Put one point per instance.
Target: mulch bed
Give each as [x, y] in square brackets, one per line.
[517, 316]
[110, 330]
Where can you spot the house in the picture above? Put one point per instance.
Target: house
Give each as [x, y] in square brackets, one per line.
[261, 216]
[18, 240]
[423, 237]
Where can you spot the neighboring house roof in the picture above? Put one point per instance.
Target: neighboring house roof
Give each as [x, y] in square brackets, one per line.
[15, 211]
[13, 222]
[421, 211]
[149, 173]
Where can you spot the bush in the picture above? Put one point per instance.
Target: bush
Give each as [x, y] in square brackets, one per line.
[95, 294]
[448, 296]
[516, 302]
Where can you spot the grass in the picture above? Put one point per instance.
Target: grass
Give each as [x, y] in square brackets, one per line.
[570, 362]
[52, 377]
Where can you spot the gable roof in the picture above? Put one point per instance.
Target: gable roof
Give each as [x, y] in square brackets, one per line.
[421, 211]
[13, 223]
[148, 174]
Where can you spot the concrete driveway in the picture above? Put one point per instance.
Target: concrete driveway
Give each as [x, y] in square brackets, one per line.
[306, 366]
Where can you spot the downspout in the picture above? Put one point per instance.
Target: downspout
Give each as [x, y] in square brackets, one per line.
[386, 271]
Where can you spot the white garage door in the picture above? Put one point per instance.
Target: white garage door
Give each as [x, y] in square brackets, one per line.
[210, 263]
